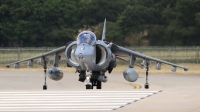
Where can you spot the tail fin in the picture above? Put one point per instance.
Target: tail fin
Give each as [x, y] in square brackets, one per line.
[104, 31]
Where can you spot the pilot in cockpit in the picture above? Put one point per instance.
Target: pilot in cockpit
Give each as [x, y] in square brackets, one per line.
[86, 37]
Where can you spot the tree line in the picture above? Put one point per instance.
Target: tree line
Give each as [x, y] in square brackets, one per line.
[129, 22]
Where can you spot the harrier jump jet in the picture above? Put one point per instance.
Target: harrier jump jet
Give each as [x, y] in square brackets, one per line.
[92, 58]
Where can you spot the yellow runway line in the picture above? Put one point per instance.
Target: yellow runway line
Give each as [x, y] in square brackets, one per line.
[136, 86]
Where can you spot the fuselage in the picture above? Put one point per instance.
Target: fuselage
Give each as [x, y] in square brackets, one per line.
[88, 54]
[85, 56]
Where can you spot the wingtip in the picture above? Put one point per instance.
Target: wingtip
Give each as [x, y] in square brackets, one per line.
[105, 20]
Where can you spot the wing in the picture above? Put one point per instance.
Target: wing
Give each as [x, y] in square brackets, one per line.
[59, 51]
[121, 51]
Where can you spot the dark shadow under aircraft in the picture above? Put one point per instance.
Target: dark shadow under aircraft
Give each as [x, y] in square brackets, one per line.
[92, 58]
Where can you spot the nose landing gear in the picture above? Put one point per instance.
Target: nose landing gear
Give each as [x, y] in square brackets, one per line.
[90, 83]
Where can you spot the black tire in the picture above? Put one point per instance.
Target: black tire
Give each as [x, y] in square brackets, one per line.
[88, 86]
[146, 86]
[44, 87]
[98, 84]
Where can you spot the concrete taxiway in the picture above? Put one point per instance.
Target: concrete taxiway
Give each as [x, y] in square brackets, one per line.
[180, 93]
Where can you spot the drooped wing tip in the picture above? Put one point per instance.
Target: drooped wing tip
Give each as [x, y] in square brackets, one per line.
[185, 69]
[105, 20]
[7, 66]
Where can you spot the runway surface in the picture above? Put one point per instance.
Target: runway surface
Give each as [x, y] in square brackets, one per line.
[180, 93]
[69, 100]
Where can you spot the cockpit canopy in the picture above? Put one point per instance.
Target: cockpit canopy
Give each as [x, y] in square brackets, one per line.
[86, 37]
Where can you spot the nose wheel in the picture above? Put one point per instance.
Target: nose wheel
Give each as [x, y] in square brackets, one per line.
[89, 86]
[90, 83]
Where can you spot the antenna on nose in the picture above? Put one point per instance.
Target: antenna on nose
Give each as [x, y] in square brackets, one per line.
[104, 31]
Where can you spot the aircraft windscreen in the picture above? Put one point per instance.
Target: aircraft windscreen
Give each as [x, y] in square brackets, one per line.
[86, 37]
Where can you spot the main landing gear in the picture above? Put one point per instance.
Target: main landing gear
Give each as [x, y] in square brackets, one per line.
[94, 83]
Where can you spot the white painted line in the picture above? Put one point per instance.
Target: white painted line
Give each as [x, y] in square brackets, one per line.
[72, 104]
[92, 94]
[69, 97]
[69, 100]
[88, 94]
[27, 110]
[38, 99]
[60, 107]
[76, 104]
[30, 101]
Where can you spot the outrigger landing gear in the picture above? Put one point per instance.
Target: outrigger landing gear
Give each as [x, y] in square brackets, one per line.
[146, 85]
[45, 74]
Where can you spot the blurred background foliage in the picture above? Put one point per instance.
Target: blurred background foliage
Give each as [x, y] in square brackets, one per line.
[25, 23]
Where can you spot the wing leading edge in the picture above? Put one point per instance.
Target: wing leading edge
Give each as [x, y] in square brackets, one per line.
[58, 51]
[121, 51]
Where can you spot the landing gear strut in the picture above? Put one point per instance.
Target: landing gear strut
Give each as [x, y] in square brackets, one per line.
[88, 84]
[45, 74]
[146, 85]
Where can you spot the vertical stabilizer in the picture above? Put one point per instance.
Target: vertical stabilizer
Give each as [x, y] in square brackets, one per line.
[104, 31]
